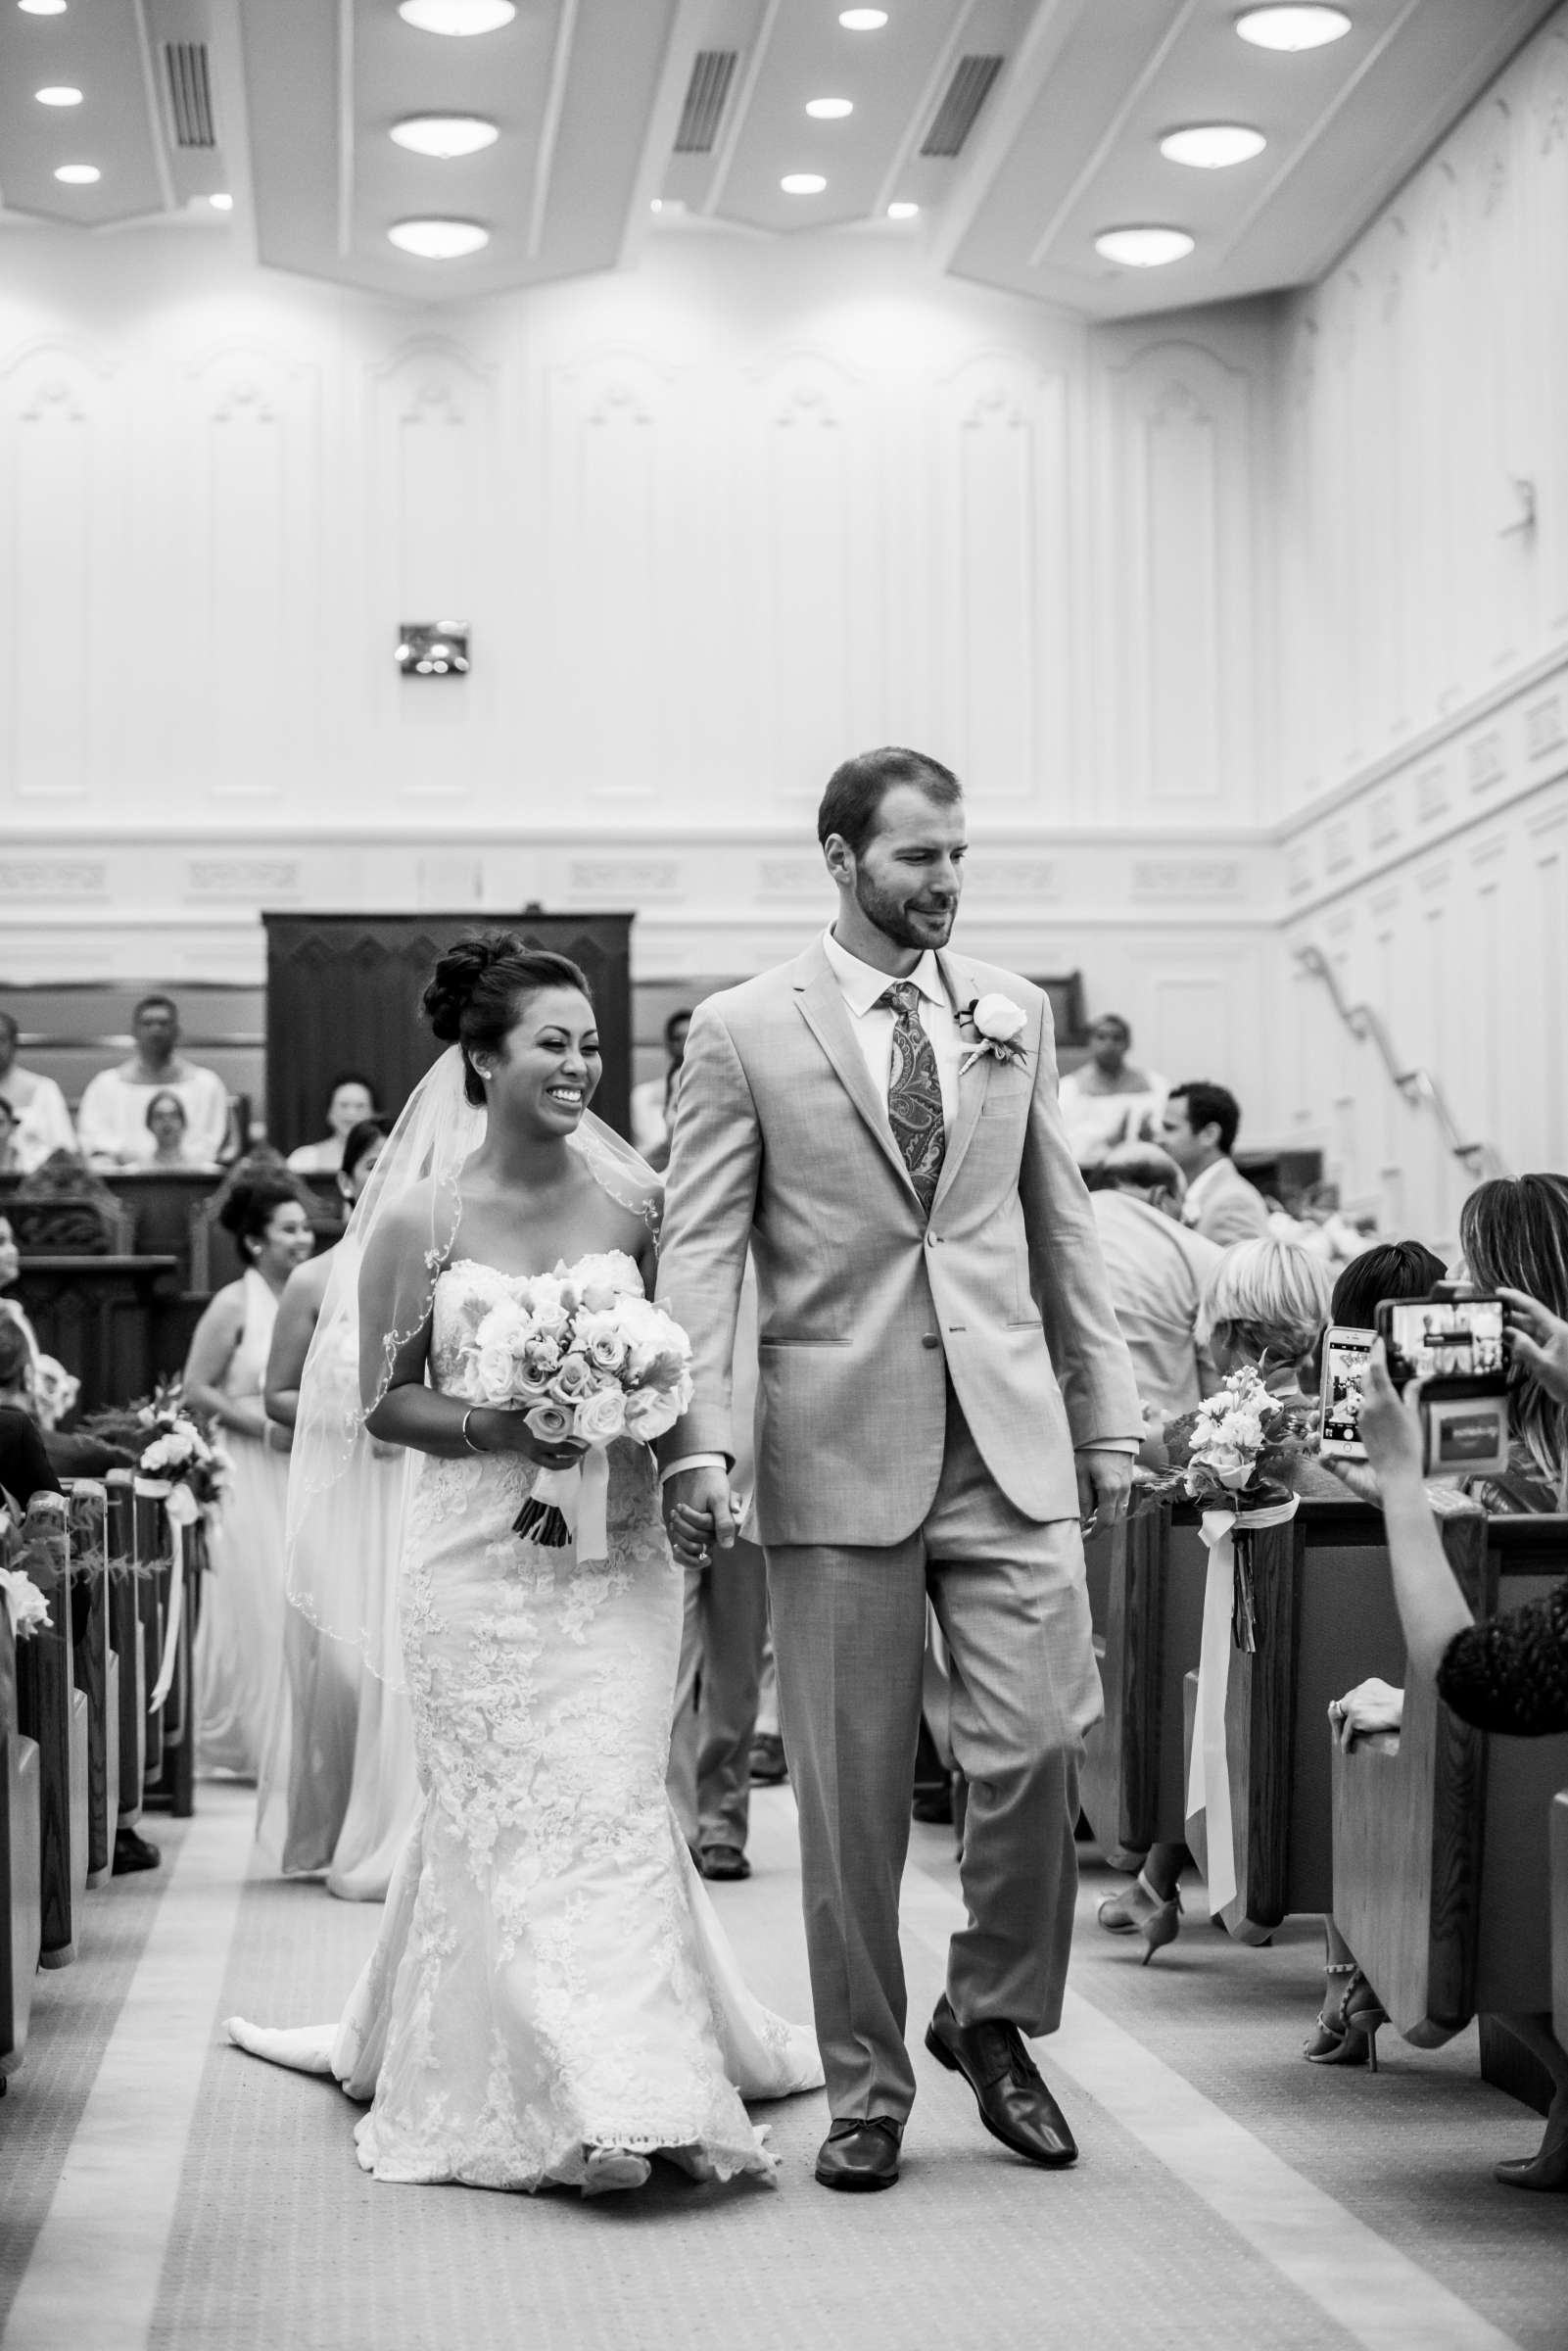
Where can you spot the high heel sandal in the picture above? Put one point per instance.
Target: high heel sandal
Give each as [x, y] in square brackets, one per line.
[1362, 2017]
[1330, 2037]
[608, 2169]
[1158, 1922]
[1547, 2169]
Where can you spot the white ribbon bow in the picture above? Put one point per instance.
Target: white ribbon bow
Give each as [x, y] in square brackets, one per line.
[582, 1495]
[181, 1509]
[1209, 1772]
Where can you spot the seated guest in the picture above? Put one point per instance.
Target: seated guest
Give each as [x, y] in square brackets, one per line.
[1507, 1674]
[111, 1115]
[11, 1309]
[169, 1129]
[239, 1643]
[1265, 1304]
[1198, 1128]
[1107, 1100]
[351, 1103]
[41, 1123]
[1158, 1268]
[23, 1465]
[653, 1102]
[10, 1157]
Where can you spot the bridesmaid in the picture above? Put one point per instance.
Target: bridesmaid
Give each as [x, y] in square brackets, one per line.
[239, 1643]
[353, 1823]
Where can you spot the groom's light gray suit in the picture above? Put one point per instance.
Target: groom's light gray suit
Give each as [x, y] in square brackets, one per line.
[924, 1383]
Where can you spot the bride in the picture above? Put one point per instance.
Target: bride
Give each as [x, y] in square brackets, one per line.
[552, 1999]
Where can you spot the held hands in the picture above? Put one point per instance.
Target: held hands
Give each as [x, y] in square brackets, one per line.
[1540, 1341]
[699, 1513]
[1104, 1481]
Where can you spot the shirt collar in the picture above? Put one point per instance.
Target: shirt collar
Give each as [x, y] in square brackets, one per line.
[863, 984]
[1198, 1186]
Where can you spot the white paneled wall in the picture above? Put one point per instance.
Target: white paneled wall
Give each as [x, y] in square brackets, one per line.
[1422, 544]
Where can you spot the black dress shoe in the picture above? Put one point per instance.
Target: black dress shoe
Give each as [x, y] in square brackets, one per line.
[768, 1767]
[933, 1805]
[1015, 2105]
[133, 1852]
[861, 2155]
[723, 1861]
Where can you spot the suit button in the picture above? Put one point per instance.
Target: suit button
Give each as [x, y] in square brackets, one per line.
[930, 1339]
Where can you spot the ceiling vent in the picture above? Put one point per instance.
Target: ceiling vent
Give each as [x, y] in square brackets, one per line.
[967, 93]
[190, 93]
[712, 72]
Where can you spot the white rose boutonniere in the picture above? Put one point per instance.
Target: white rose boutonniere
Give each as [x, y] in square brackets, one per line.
[997, 1024]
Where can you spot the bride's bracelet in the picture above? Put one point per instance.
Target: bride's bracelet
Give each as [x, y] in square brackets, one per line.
[467, 1439]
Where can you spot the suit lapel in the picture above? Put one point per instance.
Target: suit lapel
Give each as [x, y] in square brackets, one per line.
[961, 988]
[825, 1014]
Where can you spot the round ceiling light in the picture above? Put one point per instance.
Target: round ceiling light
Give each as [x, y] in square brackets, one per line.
[438, 240]
[902, 212]
[863, 20]
[1143, 248]
[1291, 28]
[42, 8]
[830, 110]
[802, 184]
[60, 96]
[221, 204]
[1212, 146]
[446, 136]
[78, 175]
[458, 18]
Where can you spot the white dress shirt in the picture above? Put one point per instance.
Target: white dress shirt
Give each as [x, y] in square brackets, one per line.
[112, 1115]
[862, 986]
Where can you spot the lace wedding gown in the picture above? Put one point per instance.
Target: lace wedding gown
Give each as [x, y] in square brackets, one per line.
[551, 1977]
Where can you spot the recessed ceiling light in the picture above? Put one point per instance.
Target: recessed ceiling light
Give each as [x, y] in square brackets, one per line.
[902, 212]
[1143, 248]
[221, 204]
[78, 175]
[802, 184]
[60, 96]
[1212, 146]
[42, 8]
[863, 20]
[438, 240]
[1301, 27]
[446, 135]
[830, 110]
[457, 18]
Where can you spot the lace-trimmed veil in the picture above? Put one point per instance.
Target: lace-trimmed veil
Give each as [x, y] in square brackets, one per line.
[378, 1297]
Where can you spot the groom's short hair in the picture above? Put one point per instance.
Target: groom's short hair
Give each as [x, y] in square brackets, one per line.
[853, 799]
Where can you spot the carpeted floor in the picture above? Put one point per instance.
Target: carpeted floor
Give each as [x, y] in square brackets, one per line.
[1227, 2191]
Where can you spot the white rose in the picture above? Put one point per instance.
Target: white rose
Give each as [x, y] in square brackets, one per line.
[602, 1339]
[600, 1417]
[495, 1371]
[649, 1412]
[999, 1019]
[28, 1609]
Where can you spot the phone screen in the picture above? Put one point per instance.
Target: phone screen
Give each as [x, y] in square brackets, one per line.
[1455, 1338]
[1344, 1360]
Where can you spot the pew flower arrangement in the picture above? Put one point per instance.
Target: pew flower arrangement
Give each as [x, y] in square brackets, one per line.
[167, 1440]
[26, 1604]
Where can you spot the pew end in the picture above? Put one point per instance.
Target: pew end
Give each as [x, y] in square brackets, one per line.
[1559, 1915]
[21, 1865]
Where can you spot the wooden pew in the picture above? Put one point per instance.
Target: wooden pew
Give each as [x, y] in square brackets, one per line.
[53, 1712]
[1325, 1619]
[171, 1780]
[97, 1671]
[20, 1866]
[125, 1634]
[1441, 1834]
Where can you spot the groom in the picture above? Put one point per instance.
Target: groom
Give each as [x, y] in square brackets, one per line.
[944, 1398]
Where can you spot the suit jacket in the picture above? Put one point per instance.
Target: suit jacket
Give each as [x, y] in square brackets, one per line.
[1231, 1209]
[781, 1142]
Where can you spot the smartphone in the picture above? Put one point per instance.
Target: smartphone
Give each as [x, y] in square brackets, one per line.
[1444, 1340]
[1345, 1359]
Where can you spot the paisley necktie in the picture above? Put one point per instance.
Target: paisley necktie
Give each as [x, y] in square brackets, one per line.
[915, 1093]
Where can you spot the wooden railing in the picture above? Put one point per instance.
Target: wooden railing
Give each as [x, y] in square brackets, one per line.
[1413, 1082]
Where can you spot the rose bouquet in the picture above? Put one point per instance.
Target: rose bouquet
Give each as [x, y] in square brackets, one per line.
[167, 1441]
[587, 1357]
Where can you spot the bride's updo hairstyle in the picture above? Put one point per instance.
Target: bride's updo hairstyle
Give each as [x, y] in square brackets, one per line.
[474, 994]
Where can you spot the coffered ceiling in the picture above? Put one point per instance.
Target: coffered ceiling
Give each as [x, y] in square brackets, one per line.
[1007, 135]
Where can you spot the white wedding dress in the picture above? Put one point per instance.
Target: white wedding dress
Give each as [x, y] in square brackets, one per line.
[550, 1978]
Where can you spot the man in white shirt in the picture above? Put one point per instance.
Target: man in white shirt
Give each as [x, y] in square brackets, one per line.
[1108, 1100]
[1199, 1129]
[111, 1115]
[1158, 1268]
[41, 1123]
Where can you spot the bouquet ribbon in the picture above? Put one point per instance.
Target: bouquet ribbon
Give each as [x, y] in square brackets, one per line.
[181, 1509]
[582, 1495]
[1209, 1773]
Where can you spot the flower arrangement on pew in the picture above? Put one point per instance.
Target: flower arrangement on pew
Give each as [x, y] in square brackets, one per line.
[167, 1441]
[26, 1604]
[589, 1358]
[1233, 1457]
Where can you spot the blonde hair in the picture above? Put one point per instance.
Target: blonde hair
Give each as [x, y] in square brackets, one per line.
[1268, 1299]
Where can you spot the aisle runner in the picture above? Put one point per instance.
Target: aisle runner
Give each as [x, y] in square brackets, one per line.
[1366, 2285]
[93, 2274]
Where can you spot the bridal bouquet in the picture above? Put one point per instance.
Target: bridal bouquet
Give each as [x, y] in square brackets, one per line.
[587, 1357]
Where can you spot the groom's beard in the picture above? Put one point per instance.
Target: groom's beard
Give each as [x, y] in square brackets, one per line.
[894, 916]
